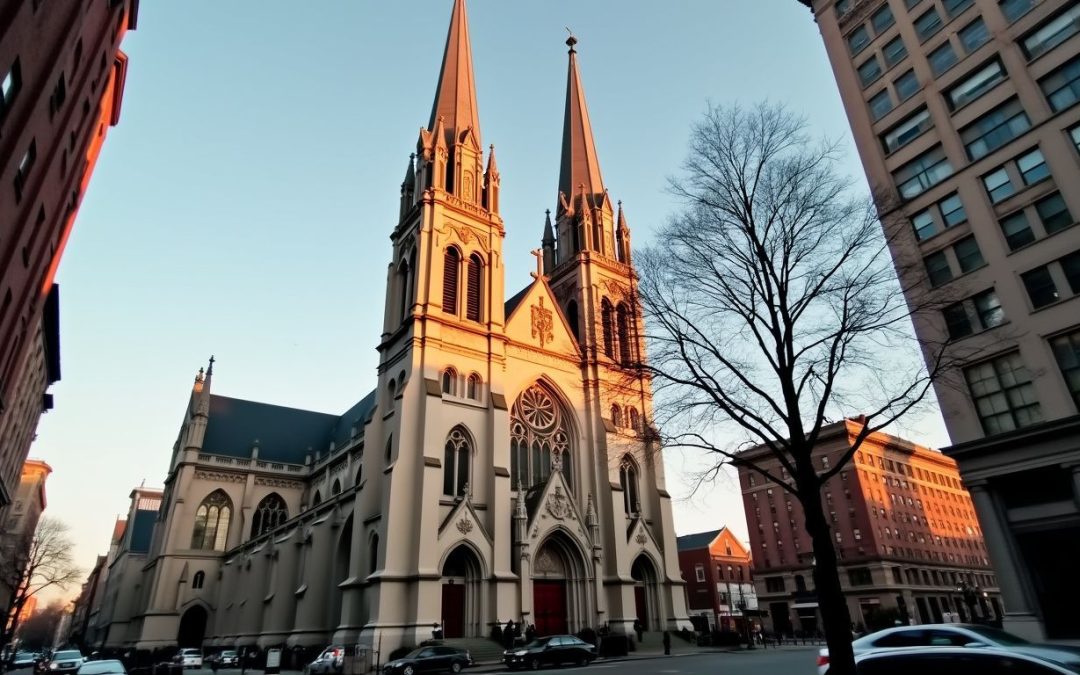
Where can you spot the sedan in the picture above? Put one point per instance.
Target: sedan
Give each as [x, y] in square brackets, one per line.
[108, 667]
[434, 659]
[553, 650]
[228, 659]
[956, 661]
[954, 635]
[24, 660]
[66, 661]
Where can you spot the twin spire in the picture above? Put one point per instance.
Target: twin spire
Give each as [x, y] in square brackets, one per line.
[455, 96]
[580, 168]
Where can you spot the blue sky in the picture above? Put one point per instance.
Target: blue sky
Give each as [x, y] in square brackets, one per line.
[243, 205]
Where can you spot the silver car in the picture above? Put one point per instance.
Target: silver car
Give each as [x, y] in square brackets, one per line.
[956, 661]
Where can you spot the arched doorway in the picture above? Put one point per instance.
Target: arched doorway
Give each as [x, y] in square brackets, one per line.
[643, 572]
[192, 627]
[560, 587]
[461, 584]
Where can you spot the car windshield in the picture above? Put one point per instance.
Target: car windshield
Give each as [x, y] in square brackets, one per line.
[228, 653]
[537, 643]
[997, 635]
[60, 656]
[102, 668]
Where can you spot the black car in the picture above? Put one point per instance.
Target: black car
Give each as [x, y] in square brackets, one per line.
[433, 659]
[553, 650]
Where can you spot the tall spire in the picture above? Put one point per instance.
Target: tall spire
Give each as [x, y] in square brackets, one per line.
[580, 166]
[455, 96]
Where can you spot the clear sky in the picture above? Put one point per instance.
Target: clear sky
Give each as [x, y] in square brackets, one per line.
[243, 206]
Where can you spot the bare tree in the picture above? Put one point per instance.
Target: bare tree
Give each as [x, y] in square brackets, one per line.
[47, 563]
[38, 631]
[771, 308]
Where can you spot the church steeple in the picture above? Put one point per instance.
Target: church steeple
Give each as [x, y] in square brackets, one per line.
[580, 169]
[455, 96]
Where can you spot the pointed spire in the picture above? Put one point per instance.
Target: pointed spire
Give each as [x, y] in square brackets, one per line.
[547, 244]
[580, 166]
[455, 96]
[410, 174]
[492, 168]
[549, 233]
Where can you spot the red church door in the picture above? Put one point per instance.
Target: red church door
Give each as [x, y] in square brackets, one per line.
[549, 607]
[453, 610]
[639, 605]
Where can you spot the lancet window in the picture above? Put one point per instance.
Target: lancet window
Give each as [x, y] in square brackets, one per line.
[628, 480]
[626, 352]
[457, 458]
[212, 522]
[270, 513]
[473, 288]
[539, 439]
[451, 265]
[607, 320]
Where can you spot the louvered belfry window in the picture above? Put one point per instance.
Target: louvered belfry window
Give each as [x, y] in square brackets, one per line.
[451, 263]
[472, 293]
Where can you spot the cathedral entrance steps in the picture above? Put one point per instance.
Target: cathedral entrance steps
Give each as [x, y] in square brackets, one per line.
[482, 650]
[651, 641]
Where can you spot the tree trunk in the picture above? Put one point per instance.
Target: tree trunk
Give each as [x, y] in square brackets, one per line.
[834, 610]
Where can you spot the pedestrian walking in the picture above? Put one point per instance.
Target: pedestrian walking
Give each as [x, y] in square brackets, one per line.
[639, 629]
[667, 643]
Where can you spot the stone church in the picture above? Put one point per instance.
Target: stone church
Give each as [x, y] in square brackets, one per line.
[503, 467]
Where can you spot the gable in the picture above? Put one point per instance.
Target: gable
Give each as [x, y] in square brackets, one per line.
[698, 540]
[537, 321]
[727, 539]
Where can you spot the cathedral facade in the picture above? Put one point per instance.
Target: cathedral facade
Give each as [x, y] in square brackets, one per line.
[503, 467]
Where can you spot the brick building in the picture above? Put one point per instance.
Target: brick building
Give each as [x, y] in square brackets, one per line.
[718, 571]
[61, 83]
[18, 528]
[908, 542]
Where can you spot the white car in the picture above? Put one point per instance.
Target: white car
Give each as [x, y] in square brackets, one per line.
[189, 658]
[956, 661]
[954, 635]
[107, 667]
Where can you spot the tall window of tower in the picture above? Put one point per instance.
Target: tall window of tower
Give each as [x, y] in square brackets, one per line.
[451, 265]
[628, 480]
[457, 457]
[633, 419]
[607, 324]
[211, 530]
[539, 439]
[572, 319]
[472, 292]
[616, 415]
[626, 354]
[472, 387]
[403, 289]
[270, 513]
[449, 382]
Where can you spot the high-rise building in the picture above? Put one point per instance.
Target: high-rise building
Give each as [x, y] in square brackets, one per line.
[17, 530]
[61, 83]
[965, 115]
[908, 544]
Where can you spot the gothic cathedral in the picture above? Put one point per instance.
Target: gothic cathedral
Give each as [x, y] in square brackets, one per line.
[504, 467]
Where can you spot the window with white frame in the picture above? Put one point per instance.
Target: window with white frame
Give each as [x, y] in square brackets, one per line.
[977, 83]
[995, 129]
[907, 130]
[1053, 32]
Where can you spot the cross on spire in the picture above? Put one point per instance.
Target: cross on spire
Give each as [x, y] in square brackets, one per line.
[539, 254]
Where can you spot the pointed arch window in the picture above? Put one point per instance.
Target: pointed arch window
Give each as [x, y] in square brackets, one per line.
[628, 480]
[449, 382]
[616, 415]
[457, 458]
[607, 324]
[451, 265]
[633, 419]
[403, 288]
[572, 319]
[472, 387]
[373, 554]
[539, 439]
[473, 287]
[317, 499]
[198, 580]
[212, 522]
[336, 487]
[626, 352]
[389, 447]
[269, 514]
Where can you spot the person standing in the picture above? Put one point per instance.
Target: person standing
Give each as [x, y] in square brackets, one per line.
[667, 643]
[639, 629]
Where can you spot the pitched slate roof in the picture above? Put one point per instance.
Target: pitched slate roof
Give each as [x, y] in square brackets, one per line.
[512, 303]
[690, 542]
[142, 530]
[359, 415]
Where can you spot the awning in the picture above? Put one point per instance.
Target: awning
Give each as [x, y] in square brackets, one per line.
[805, 605]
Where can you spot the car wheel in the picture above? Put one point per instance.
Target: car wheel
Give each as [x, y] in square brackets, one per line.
[582, 661]
[455, 667]
[534, 663]
[407, 670]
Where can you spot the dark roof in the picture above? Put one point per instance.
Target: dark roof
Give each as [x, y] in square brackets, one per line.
[513, 302]
[141, 531]
[690, 542]
[359, 415]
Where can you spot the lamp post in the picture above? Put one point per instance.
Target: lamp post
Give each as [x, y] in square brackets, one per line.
[970, 593]
[746, 622]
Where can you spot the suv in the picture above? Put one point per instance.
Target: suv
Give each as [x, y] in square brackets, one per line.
[66, 661]
[329, 662]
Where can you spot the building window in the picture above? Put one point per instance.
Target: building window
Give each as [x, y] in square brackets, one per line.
[922, 173]
[26, 164]
[451, 265]
[1067, 353]
[1062, 86]
[906, 131]
[457, 456]
[1070, 265]
[998, 185]
[1040, 287]
[699, 572]
[198, 580]
[211, 530]
[954, 7]
[269, 514]
[858, 39]
[1053, 213]
[952, 210]
[927, 24]
[988, 309]
[775, 585]
[1052, 33]
[539, 437]
[968, 255]
[942, 58]
[995, 129]
[842, 7]
[1003, 395]
[626, 344]
[336, 487]
[974, 35]
[869, 71]
[1074, 133]
[957, 321]
[924, 225]
[607, 321]
[10, 85]
[937, 268]
[616, 416]
[449, 382]
[1014, 9]
[881, 20]
[472, 387]
[1017, 231]
[473, 288]
[880, 104]
[1032, 167]
[894, 51]
[632, 419]
[975, 85]
[860, 576]
[907, 85]
[628, 480]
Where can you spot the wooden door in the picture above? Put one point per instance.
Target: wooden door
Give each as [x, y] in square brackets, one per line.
[453, 610]
[549, 605]
[640, 607]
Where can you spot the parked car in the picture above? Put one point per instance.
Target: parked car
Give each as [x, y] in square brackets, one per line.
[553, 650]
[24, 659]
[189, 657]
[106, 667]
[956, 661]
[228, 659]
[955, 635]
[66, 661]
[431, 659]
[331, 660]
